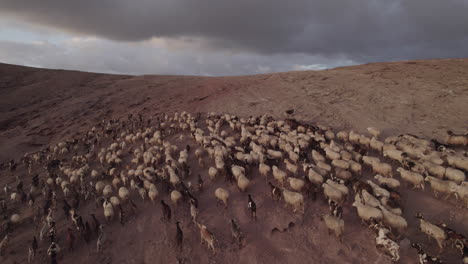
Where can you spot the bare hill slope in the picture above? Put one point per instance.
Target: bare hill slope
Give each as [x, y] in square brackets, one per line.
[39, 107]
[420, 97]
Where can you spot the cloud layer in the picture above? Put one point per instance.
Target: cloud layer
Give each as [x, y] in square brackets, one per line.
[249, 34]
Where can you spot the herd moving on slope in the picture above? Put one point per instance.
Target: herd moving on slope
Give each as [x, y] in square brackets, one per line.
[121, 161]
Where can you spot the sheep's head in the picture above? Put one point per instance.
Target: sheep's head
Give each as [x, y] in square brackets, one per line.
[417, 246]
[453, 189]
[374, 225]
[419, 215]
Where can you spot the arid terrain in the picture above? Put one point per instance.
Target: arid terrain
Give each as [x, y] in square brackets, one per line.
[40, 107]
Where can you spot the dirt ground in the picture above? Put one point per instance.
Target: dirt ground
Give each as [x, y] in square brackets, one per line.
[39, 107]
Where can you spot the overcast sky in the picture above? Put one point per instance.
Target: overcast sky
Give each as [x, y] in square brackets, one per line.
[219, 37]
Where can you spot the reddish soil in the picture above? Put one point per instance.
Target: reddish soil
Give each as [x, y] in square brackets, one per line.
[39, 107]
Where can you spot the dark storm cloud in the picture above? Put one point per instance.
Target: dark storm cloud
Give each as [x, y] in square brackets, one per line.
[362, 30]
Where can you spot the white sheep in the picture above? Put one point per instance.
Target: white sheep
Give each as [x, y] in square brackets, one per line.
[242, 182]
[274, 154]
[389, 182]
[394, 154]
[335, 146]
[116, 182]
[279, 175]
[333, 193]
[391, 140]
[142, 193]
[66, 192]
[368, 160]
[264, 169]
[461, 192]
[293, 156]
[433, 157]
[364, 141]
[454, 139]
[222, 195]
[434, 169]
[175, 197]
[387, 147]
[50, 181]
[107, 191]
[146, 184]
[219, 162]
[432, 230]
[114, 201]
[342, 135]
[396, 210]
[334, 224]
[414, 178]
[124, 194]
[314, 177]
[343, 174]
[173, 178]
[395, 221]
[331, 155]
[15, 197]
[367, 199]
[329, 135]
[341, 187]
[199, 152]
[354, 137]
[15, 219]
[418, 168]
[317, 157]
[383, 169]
[366, 212]
[112, 171]
[357, 156]
[237, 171]
[345, 155]
[440, 186]
[373, 131]
[458, 162]
[212, 172]
[153, 193]
[296, 184]
[376, 144]
[378, 191]
[108, 211]
[291, 167]
[454, 175]
[355, 167]
[295, 199]
[324, 166]
[342, 164]
[412, 150]
[100, 186]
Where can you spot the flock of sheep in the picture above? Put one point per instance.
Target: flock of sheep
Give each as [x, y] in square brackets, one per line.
[121, 161]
